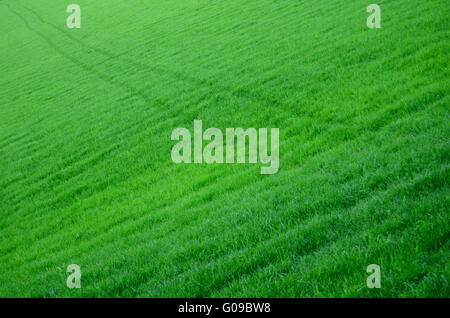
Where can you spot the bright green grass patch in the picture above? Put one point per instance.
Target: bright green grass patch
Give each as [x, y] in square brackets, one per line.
[86, 117]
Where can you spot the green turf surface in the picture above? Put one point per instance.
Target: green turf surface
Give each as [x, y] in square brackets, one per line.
[86, 175]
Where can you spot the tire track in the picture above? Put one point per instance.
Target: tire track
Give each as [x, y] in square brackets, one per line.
[160, 117]
[100, 75]
[162, 72]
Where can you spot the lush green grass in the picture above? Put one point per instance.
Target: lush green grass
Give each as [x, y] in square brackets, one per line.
[86, 176]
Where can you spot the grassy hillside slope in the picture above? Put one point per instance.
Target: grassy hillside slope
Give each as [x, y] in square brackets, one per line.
[86, 175]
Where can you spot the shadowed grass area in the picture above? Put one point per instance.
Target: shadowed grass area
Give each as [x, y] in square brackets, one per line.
[85, 122]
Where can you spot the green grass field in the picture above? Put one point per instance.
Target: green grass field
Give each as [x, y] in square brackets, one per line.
[86, 178]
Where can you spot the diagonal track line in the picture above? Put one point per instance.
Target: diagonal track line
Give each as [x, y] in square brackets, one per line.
[164, 72]
[100, 75]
